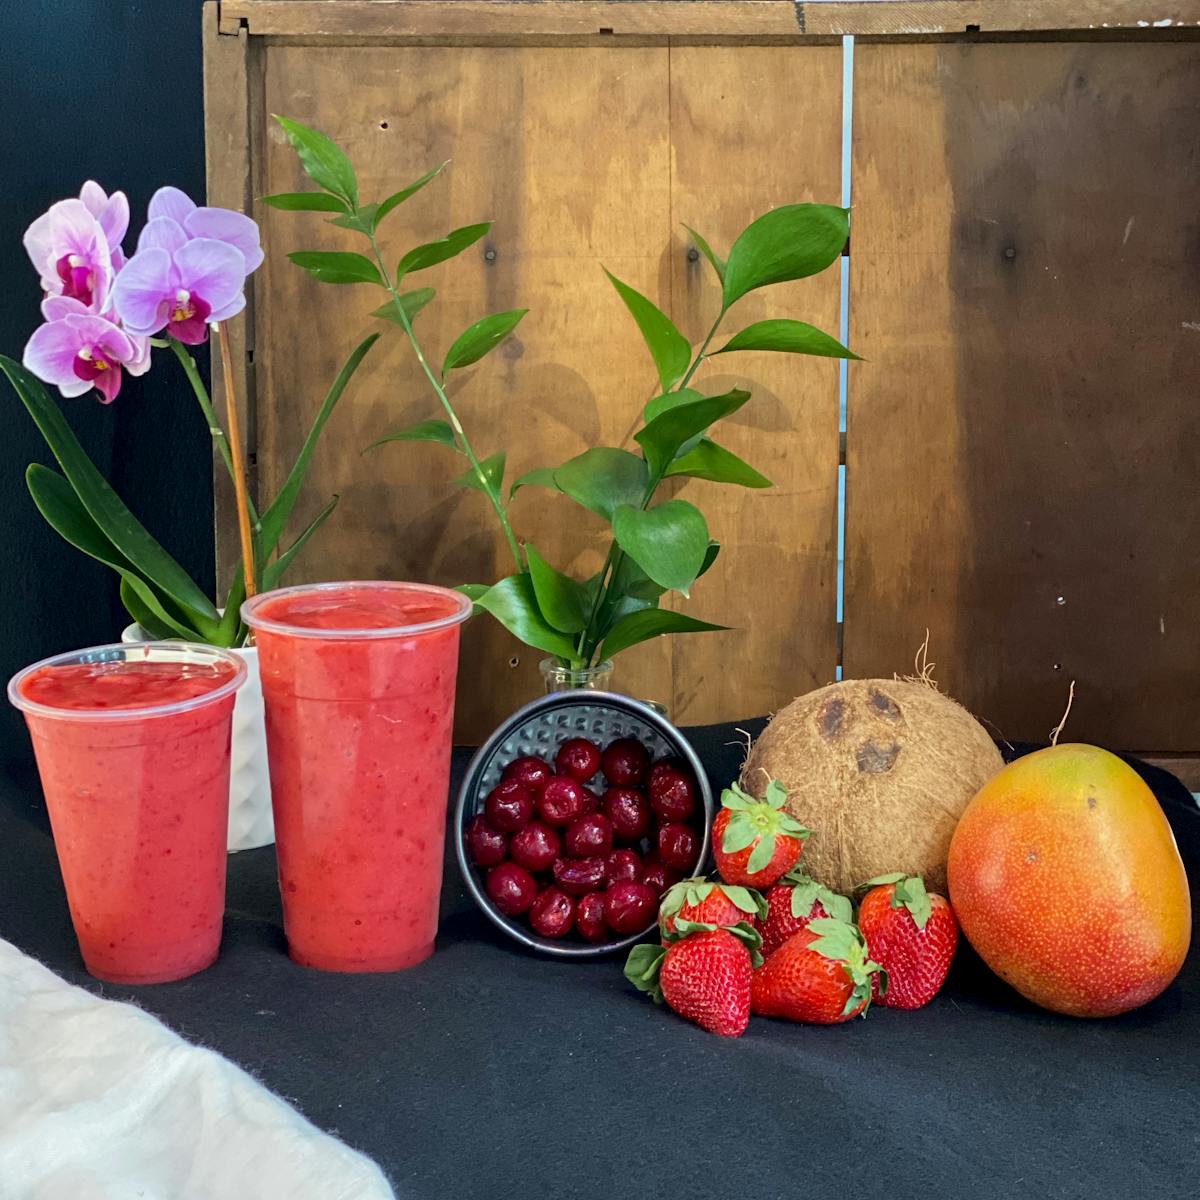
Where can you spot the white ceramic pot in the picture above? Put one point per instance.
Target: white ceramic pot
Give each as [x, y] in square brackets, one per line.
[250, 821]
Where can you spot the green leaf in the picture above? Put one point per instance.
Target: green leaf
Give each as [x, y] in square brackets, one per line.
[337, 266]
[305, 202]
[105, 507]
[412, 301]
[474, 590]
[232, 632]
[398, 198]
[538, 477]
[143, 615]
[670, 350]
[59, 504]
[361, 221]
[423, 431]
[715, 463]
[493, 471]
[669, 400]
[431, 253]
[651, 623]
[643, 967]
[792, 242]
[664, 436]
[710, 557]
[702, 245]
[513, 603]
[789, 337]
[323, 160]
[279, 513]
[472, 344]
[563, 601]
[274, 571]
[603, 479]
[668, 542]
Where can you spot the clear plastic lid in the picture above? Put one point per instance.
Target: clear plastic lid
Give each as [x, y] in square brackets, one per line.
[253, 615]
[184, 653]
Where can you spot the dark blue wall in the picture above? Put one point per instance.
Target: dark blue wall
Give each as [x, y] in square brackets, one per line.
[109, 90]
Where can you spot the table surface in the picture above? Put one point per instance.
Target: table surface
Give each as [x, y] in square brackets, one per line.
[489, 1071]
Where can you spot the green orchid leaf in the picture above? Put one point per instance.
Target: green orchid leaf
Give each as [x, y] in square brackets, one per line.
[231, 631]
[423, 431]
[493, 475]
[412, 301]
[361, 221]
[666, 435]
[718, 264]
[603, 479]
[305, 202]
[538, 477]
[275, 519]
[485, 335]
[669, 400]
[671, 351]
[788, 337]
[718, 465]
[432, 253]
[669, 542]
[274, 571]
[105, 507]
[337, 266]
[398, 198]
[513, 602]
[473, 591]
[710, 557]
[59, 504]
[563, 601]
[791, 242]
[650, 623]
[323, 160]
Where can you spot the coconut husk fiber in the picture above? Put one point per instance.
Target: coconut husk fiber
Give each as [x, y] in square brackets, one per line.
[880, 770]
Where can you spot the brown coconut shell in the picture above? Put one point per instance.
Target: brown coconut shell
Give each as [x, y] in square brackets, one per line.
[880, 770]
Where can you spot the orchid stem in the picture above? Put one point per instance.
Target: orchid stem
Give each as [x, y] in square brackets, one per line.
[239, 473]
[459, 432]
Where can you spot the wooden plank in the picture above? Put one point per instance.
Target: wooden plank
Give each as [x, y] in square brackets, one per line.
[775, 581]
[487, 19]
[530, 132]
[228, 175]
[1022, 442]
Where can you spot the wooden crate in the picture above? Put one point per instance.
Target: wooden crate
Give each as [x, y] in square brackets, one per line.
[1022, 444]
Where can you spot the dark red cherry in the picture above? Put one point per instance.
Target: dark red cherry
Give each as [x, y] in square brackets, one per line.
[562, 800]
[578, 758]
[553, 913]
[579, 875]
[487, 846]
[629, 812]
[529, 770]
[589, 917]
[535, 847]
[509, 806]
[625, 762]
[629, 907]
[672, 792]
[588, 835]
[512, 888]
[678, 846]
[624, 866]
[658, 875]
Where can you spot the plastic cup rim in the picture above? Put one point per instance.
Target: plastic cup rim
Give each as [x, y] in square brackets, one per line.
[179, 649]
[259, 623]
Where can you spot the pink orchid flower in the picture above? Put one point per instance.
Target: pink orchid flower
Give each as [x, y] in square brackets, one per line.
[70, 249]
[76, 350]
[220, 224]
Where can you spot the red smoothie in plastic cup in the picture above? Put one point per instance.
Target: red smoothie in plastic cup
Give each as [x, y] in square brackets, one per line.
[358, 681]
[132, 745]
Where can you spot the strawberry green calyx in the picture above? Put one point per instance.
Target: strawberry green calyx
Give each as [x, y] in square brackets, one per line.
[910, 893]
[760, 821]
[694, 892]
[806, 891]
[642, 969]
[743, 931]
[845, 944]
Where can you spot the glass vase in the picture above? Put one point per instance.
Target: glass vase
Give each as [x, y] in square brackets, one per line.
[558, 678]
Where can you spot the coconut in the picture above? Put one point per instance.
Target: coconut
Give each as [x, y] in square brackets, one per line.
[880, 770]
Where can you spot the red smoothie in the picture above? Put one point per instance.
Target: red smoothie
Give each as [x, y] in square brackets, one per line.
[358, 681]
[132, 745]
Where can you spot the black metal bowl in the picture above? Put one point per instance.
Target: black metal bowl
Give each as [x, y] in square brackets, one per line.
[540, 728]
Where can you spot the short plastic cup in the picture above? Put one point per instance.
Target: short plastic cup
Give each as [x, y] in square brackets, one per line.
[358, 683]
[138, 796]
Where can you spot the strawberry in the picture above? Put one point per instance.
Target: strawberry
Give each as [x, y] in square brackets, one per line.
[705, 901]
[793, 902]
[703, 973]
[755, 841]
[910, 932]
[821, 975]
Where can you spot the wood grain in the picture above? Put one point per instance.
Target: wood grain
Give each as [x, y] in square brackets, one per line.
[228, 159]
[775, 581]
[531, 135]
[1024, 443]
[520, 19]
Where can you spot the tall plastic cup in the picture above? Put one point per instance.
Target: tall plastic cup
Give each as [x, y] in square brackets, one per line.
[358, 681]
[132, 745]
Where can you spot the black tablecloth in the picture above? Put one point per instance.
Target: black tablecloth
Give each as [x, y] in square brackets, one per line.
[491, 1072]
